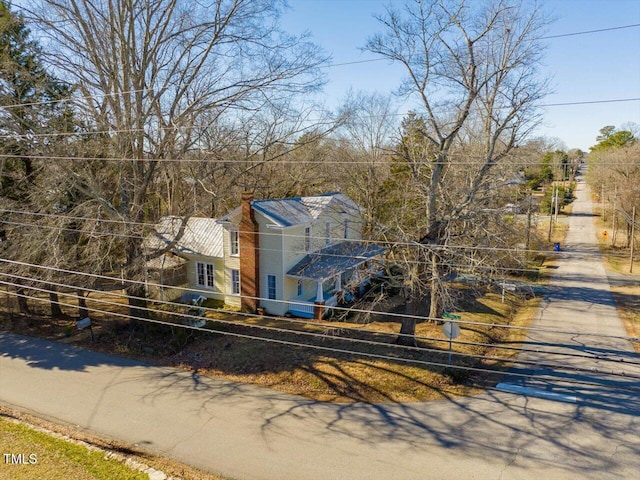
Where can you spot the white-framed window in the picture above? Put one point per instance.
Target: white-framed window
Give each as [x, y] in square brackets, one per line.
[327, 233]
[271, 287]
[205, 274]
[299, 288]
[307, 239]
[235, 282]
[234, 241]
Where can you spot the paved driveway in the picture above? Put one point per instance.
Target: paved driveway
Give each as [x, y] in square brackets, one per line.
[247, 432]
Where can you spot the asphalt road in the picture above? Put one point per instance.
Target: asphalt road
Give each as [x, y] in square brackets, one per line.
[591, 430]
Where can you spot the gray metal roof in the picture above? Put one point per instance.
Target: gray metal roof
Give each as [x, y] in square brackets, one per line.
[202, 236]
[334, 259]
[287, 212]
[165, 262]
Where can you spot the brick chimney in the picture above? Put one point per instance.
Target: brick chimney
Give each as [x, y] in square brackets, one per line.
[249, 256]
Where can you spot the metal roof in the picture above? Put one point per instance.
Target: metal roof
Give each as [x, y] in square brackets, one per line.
[165, 262]
[334, 259]
[287, 212]
[202, 236]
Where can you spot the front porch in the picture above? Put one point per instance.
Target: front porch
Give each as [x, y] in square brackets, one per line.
[305, 308]
[340, 273]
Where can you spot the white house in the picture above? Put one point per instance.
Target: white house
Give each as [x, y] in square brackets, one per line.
[297, 255]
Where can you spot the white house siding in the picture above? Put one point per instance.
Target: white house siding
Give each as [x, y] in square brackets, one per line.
[231, 262]
[294, 243]
[271, 263]
[293, 248]
[192, 277]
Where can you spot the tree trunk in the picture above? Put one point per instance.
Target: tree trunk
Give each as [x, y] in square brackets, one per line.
[22, 302]
[56, 311]
[407, 335]
[83, 311]
[137, 304]
[134, 272]
[435, 288]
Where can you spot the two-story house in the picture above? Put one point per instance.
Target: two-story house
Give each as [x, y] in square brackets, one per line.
[297, 256]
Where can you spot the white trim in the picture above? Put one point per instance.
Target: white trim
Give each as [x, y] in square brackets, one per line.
[206, 275]
[234, 230]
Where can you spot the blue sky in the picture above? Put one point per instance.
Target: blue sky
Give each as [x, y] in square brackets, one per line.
[583, 68]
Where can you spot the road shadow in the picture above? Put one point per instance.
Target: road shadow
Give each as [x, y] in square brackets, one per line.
[38, 353]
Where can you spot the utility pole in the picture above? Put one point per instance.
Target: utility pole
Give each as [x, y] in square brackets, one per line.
[633, 231]
[550, 217]
[604, 217]
[613, 234]
[528, 243]
[555, 222]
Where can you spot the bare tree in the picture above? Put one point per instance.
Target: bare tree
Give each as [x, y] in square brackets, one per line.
[365, 149]
[615, 172]
[149, 73]
[472, 69]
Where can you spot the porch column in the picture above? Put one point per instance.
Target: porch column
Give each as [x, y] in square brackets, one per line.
[339, 282]
[318, 305]
[319, 292]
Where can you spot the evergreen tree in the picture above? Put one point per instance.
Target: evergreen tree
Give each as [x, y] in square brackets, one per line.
[32, 114]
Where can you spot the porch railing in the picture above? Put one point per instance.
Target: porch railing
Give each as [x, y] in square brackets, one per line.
[305, 308]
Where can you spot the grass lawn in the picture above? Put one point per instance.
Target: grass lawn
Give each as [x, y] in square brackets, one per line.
[46, 456]
[61, 452]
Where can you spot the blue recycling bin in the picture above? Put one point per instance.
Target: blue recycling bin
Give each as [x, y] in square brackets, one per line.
[556, 246]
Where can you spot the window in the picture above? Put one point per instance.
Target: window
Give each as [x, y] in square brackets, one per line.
[271, 287]
[235, 282]
[205, 274]
[346, 229]
[327, 233]
[307, 239]
[234, 241]
[299, 288]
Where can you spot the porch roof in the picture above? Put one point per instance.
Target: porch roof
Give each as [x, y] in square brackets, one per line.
[334, 259]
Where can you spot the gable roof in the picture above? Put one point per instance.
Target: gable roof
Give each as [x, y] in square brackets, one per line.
[286, 212]
[202, 236]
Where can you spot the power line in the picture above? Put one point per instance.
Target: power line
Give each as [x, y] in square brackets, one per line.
[307, 334]
[93, 233]
[586, 32]
[168, 237]
[316, 121]
[469, 160]
[547, 37]
[205, 292]
[280, 330]
[562, 367]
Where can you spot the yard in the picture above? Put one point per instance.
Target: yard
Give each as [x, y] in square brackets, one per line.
[335, 361]
[49, 451]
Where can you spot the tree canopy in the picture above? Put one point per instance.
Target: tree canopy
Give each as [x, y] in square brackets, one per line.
[611, 138]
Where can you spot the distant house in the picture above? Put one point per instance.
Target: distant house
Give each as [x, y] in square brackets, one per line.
[297, 256]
